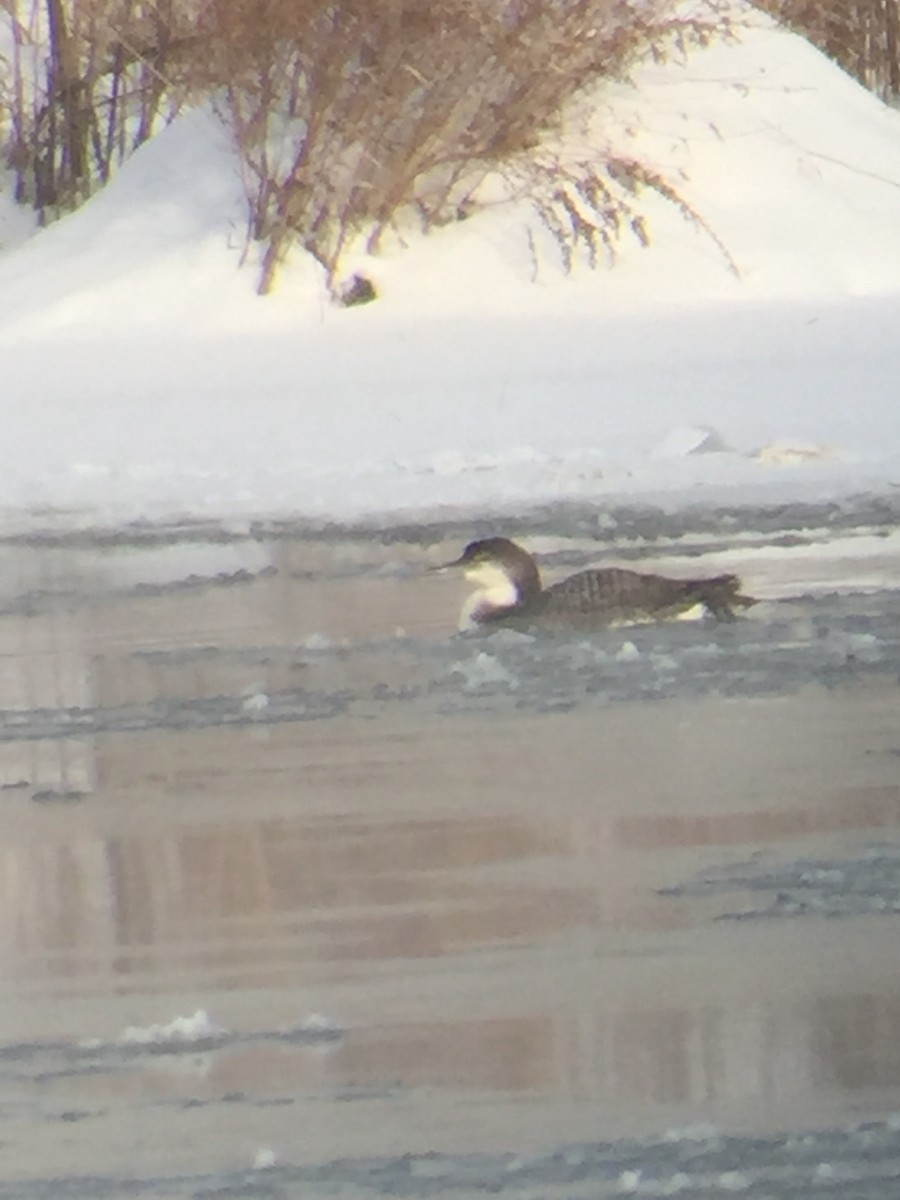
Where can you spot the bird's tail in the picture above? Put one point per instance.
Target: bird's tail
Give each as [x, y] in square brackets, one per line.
[720, 596]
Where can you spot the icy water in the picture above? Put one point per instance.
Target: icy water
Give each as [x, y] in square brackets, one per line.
[305, 896]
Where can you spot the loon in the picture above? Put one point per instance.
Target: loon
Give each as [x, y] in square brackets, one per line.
[510, 593]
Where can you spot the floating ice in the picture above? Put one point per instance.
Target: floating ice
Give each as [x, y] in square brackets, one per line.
[180, 1031]
[628, 652]
[482, 671]
[317, 1023]
[791, 454]
[318, 641]
[692, 1133]
[861, 647]
[586, 654]
[691, 439]
[664, 662]
[706, 650]
[510, 637]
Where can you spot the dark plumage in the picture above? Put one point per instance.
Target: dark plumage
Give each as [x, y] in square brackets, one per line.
[511, 592]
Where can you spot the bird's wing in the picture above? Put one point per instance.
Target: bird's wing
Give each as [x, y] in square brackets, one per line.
[615, 589]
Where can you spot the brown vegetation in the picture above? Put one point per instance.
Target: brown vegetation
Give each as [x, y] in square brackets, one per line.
[350, 115]
[344, 112]
[862, 35]
[87, 82]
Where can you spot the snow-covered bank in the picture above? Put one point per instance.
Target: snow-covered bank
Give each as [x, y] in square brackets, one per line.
[143, 378]
[417, 419]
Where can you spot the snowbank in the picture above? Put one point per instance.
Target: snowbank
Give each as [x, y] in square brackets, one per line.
[144, 379]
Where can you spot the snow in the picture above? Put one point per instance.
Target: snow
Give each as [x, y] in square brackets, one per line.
[197, 1028]
[264, 1159]
[180, 1031]
[482, 671]
[145, 380]
[200, 1029]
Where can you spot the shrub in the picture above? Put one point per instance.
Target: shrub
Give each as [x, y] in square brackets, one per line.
[347, 113]
[87, 81]
[863, 36]
[349, 116]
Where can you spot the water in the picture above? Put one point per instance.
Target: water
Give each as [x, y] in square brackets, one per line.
[305, 896]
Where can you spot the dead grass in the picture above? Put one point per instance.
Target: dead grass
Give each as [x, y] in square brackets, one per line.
[84, 83]
[862, 36]
[349, 114]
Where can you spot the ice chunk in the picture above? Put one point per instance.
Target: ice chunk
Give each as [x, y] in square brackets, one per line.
[627, 652]
[482, 671]
[179, 1031]
[510, 637]
[847, 647]
[734, 1181]
[318, 641]
[317, 1023]
[691, 439]
[790, 454]
[693, 1133]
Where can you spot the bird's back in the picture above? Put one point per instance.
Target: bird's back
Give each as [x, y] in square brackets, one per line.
[612, 595]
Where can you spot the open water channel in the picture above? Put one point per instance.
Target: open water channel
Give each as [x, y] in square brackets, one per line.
[305, 895]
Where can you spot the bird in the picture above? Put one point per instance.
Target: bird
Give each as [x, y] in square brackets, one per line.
[510, 593]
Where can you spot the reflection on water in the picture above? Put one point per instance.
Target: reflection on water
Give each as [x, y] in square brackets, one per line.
[400, 890]
[252, 795]
[209, 899]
